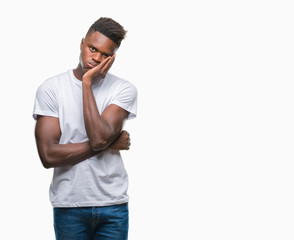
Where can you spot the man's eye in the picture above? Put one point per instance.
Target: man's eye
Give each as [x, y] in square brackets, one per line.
[92, 49]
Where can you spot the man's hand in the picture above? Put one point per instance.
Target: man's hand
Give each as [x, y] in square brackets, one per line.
[123, 142]
[100, 71]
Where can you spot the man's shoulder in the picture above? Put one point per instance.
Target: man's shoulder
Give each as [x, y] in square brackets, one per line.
[117, 81]
[54, 81]
[59, 76]
[121, 88]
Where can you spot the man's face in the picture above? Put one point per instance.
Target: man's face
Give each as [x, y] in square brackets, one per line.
[94, 49]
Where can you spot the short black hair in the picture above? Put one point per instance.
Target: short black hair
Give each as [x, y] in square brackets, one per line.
[109, 28]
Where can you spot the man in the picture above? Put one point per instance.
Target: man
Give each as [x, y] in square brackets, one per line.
[80, 116]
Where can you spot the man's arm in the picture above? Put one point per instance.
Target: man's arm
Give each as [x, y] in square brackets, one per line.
[103, 128]
[53, 154]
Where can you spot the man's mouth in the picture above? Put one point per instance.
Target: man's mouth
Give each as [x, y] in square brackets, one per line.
[90, 65]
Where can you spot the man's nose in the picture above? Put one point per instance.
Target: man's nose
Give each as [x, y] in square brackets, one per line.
[97, 57]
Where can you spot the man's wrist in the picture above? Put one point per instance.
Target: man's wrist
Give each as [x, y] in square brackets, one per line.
[87, 82]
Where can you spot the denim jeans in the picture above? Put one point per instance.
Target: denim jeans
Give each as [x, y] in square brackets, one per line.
[92, 223]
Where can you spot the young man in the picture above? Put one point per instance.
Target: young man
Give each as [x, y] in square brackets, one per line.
[80, 115]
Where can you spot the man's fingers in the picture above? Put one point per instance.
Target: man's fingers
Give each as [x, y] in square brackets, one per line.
[126, 139]
[126, 132]
[102, 68]
[103, 63]
[108, 64]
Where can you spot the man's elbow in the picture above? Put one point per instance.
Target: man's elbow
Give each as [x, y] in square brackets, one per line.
[47, 166]
[100, 143]
[47, 162]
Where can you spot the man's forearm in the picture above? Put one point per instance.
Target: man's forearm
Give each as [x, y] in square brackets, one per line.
[99, 132]
[59, 155]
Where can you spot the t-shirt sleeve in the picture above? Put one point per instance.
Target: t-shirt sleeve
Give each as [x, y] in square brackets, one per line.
[126, 98]
[46, 101]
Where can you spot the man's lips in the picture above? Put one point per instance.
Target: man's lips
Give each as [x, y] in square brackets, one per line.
[90, 65]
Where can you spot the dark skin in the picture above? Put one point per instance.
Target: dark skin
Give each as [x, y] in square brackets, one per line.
[104, 130]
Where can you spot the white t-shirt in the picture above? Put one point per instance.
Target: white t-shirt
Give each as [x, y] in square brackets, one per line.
[100, 180]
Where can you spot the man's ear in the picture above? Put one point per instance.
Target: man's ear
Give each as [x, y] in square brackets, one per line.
[82, 43]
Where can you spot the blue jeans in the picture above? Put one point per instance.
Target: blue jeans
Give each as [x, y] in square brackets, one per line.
[92, 223]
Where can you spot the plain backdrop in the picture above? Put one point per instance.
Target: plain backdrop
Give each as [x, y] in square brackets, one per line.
[212, 146]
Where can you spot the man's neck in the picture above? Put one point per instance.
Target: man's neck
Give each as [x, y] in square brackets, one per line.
[78, 72]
